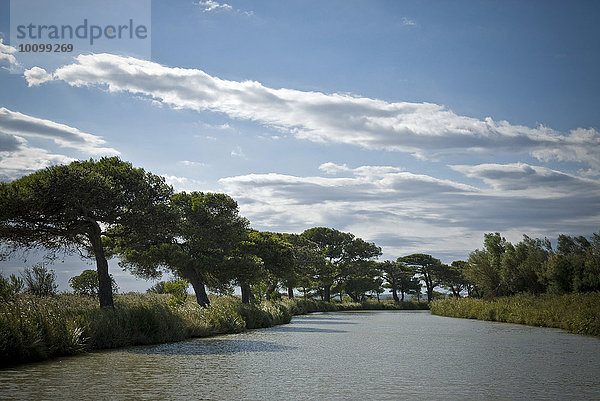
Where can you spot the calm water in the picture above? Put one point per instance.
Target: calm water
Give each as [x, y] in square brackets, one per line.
[348, 355]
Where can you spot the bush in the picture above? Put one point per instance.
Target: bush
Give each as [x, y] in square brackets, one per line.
[87, 283]
[40, 281]
[10, 287]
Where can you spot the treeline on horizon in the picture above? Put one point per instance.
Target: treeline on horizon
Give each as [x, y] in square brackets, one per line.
[108, 208]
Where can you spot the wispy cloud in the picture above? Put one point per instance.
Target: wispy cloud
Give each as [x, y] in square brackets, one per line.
[423, 129]
[7, 55]
[405, 211]
[189, 163]
[215, 6]
[22, 125]
[183, 183]
[238, 152]
[408, 21]
[19, 157]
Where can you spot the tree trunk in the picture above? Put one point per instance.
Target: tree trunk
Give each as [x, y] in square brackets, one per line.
[192, 276]
[245, 293]
[105, 294]
[290, 293]
[200, 290]
[327, 293]
[395, 294]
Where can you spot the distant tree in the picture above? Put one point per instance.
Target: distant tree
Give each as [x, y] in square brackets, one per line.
[87, 283]
[339, 250]
[71, 207]
[277, 257]
[431, 270]
[400, 278]
[360, 278]
[306, 259]
[40, 281]
[455, 280]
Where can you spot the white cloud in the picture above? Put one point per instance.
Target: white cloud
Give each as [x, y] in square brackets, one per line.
[184, 184]
[7, 54]
[332, 168]
[15, 123]
[189, 163]
[535, 182]
[408, 21]
[419, 128]
[214, 6]
[210, 5]
[36, 76]
[405, 212]
[26, 160]
[18, 157]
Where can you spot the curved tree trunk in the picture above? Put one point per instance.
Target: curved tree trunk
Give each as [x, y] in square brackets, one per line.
[105, 294]
[198, 285]
[395, 294]
[290, 293]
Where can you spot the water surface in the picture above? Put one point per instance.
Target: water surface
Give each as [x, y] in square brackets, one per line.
[383, 355]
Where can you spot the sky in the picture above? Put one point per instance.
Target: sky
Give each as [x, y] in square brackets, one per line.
[417, 125]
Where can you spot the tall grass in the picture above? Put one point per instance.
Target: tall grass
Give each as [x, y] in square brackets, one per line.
[36, 328]
[576, 313]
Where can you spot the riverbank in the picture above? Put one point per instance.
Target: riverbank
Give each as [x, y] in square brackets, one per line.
[576, 313]
[35, 329]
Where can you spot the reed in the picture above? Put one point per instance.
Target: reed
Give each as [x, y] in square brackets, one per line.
[37, 328]
[576, 313]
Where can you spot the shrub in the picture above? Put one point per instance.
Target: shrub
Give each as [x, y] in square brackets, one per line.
[40, 281]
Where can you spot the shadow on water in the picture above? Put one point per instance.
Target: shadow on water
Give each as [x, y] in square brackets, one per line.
[210, 347]
[324, 320]
[295, 329]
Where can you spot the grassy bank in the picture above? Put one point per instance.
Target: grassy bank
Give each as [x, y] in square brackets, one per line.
[576, 313]
[33, 328]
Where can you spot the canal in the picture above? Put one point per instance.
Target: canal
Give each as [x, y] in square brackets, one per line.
[367, 355]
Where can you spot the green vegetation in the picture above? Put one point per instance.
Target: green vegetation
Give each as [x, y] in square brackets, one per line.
[576, 313]
[87, 283]
[36, 328]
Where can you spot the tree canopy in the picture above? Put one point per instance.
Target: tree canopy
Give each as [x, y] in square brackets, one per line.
[72, 206]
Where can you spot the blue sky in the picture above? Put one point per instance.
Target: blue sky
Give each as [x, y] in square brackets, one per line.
[419, 125]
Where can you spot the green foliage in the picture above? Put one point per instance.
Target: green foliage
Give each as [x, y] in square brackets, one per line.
[178, 291]
[577, 313]
[532, 266]
[39, 281]
[87, 283]
[431, 271]
[198, 244]
[10, 287]
[70, 207]
[400, 277]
